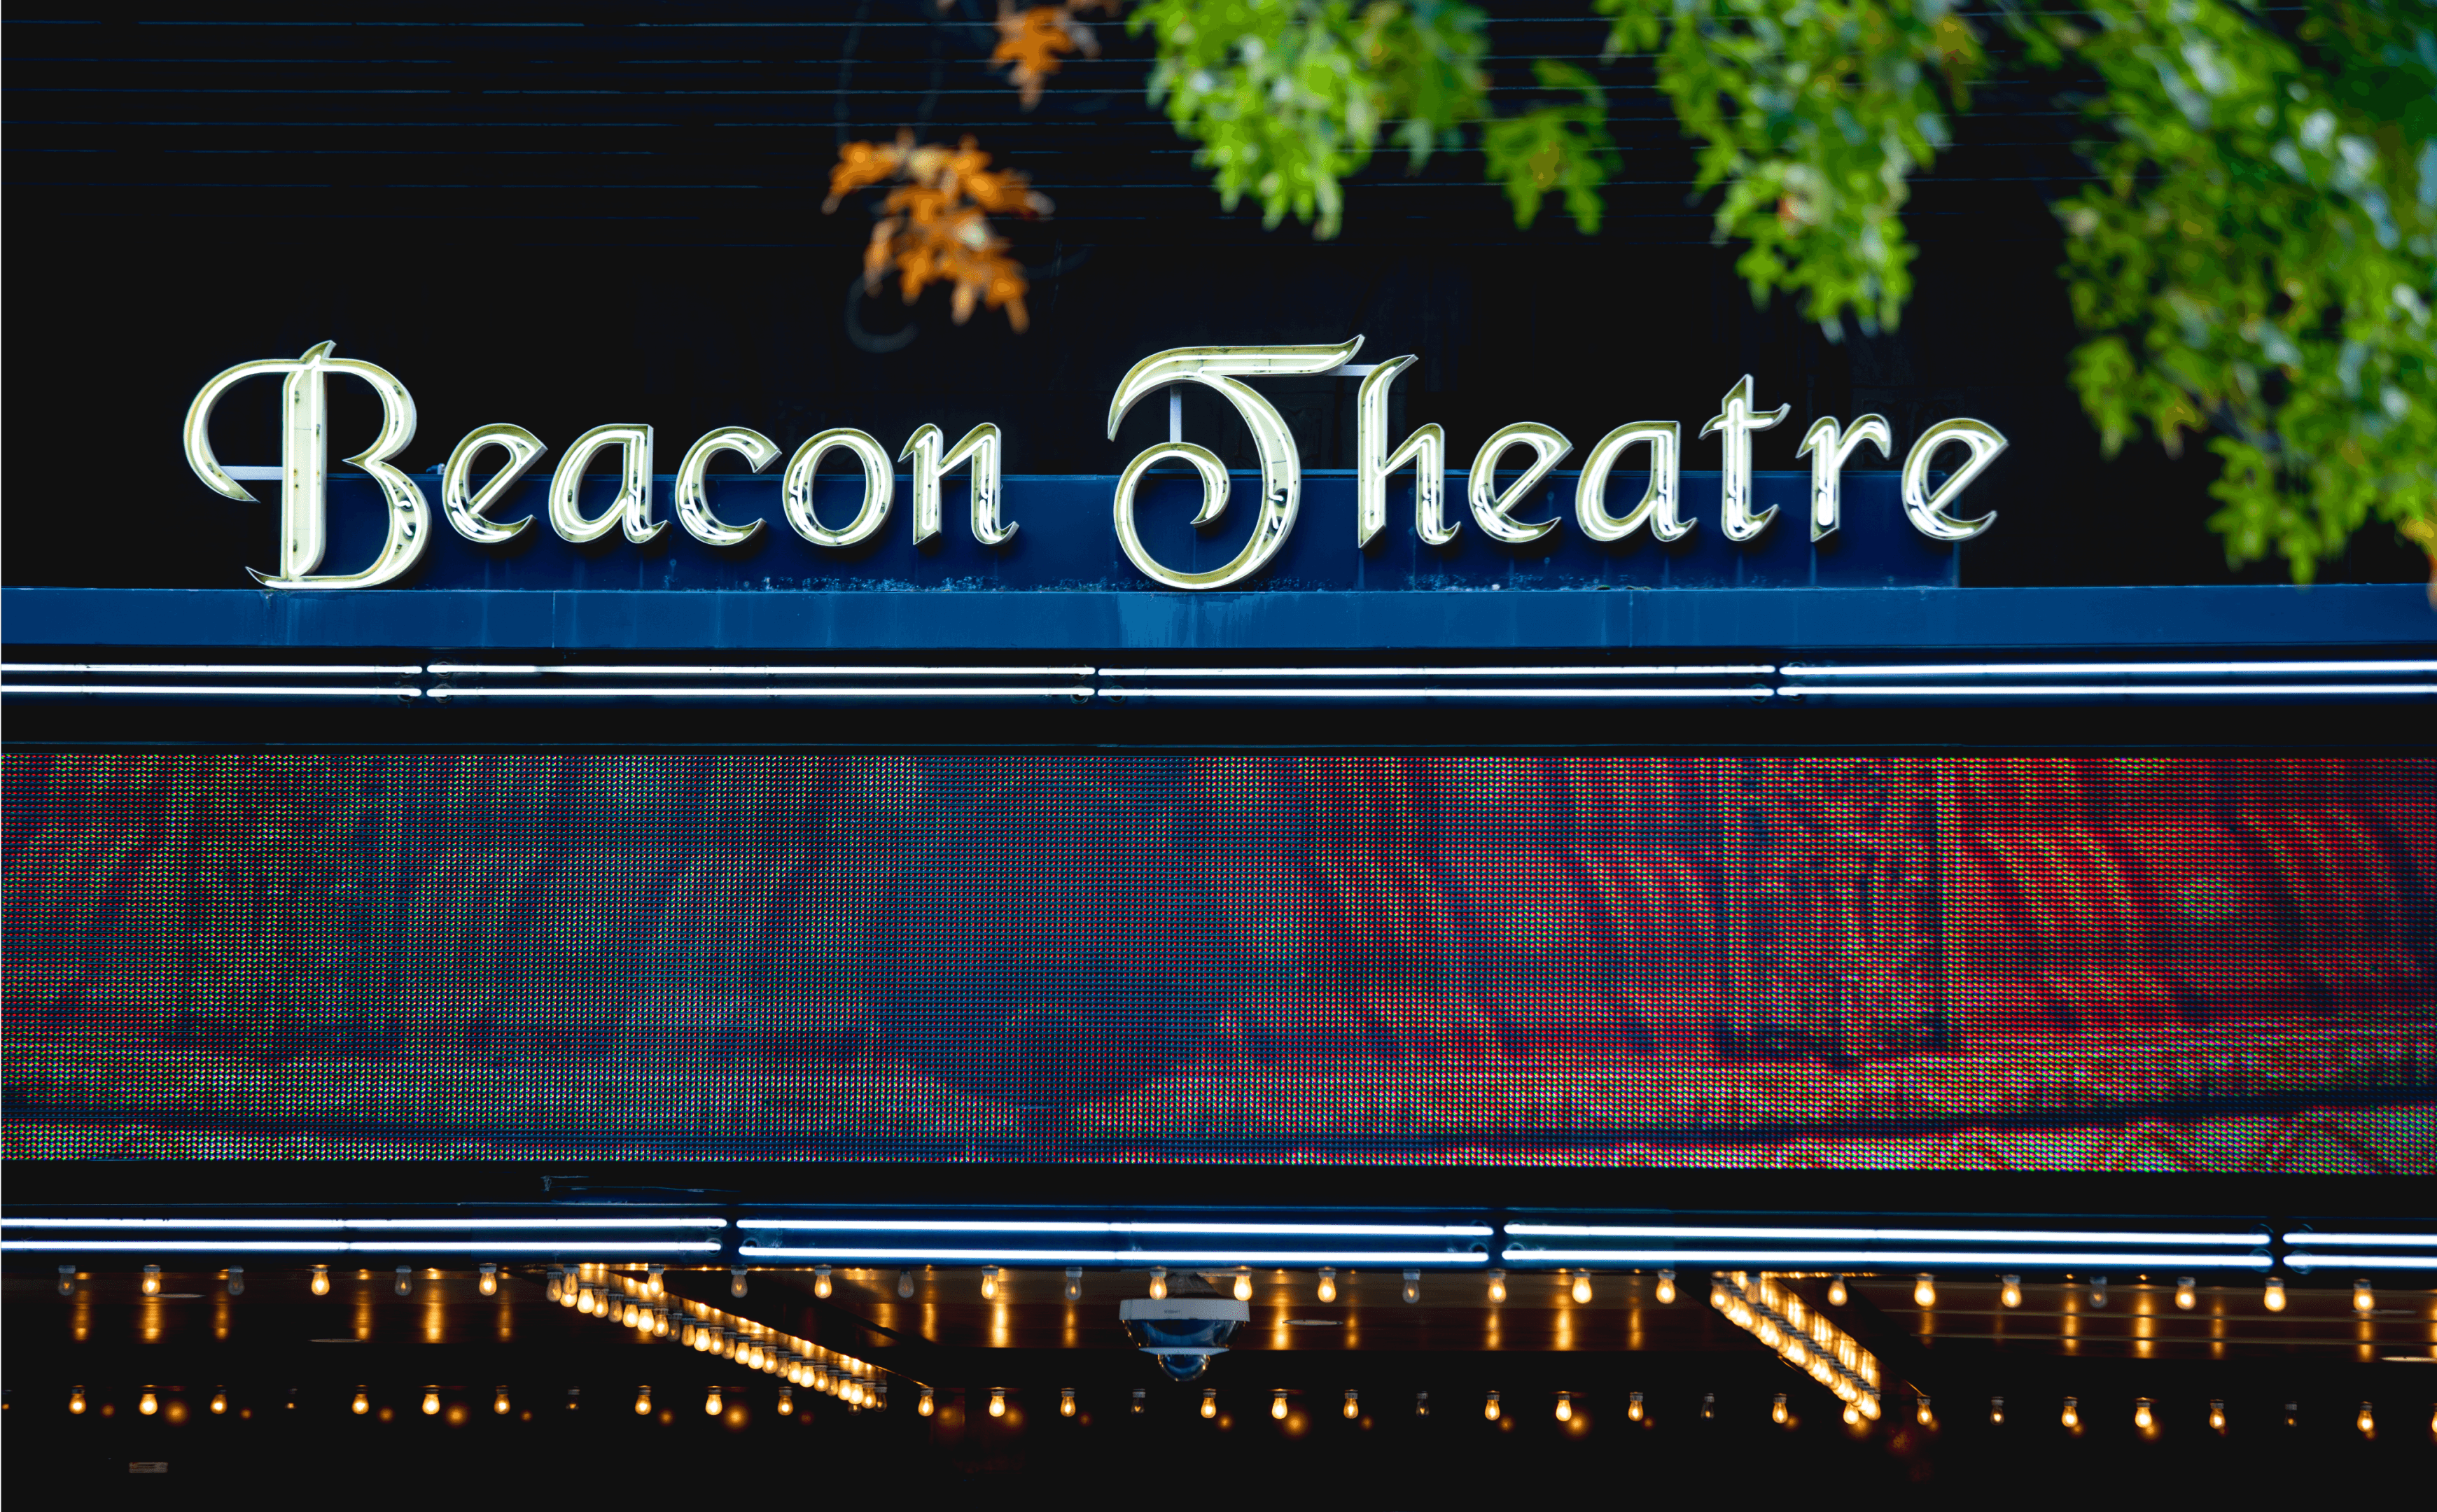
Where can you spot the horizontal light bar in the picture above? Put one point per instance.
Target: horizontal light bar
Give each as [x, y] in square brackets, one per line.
[2305, 1260]
[1122, 1258]
[1076, 692]
[344, 1224]
[187, 1246]
[1542, 694]
[1576, 670]
[468, 669]
[183, 669]
[926, 1226]
[130, 690]
[2128, 690]
[2404, 1240]
[1753, 1260]
[1956, 1236]
[2064, 669]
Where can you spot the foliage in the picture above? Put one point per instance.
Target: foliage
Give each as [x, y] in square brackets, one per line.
[1287, 98]
[1812, 113]
[2260, 256]
[1565, 147]
[1032, 40]
[934, 226]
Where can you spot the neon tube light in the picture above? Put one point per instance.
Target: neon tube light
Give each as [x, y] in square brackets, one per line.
[1961, 1236]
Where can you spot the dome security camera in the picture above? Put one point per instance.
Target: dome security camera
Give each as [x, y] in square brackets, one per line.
[1182, 1332]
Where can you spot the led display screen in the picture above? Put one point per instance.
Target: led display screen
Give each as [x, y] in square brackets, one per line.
[1845, 962]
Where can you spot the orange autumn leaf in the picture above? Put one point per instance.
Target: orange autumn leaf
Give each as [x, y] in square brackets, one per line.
[934, 226]
[1032, 42]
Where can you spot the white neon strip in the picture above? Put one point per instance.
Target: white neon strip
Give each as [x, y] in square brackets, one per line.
[536, 1222]
[352, 1224]
[470, 669]
[1583, 670]
[2303, 1260]
[1875, 1236]
[180, 669]
[2064, 669]
[2404, 1240]
[926, 1226]
[1542, 694]
[181, 1246]
[1078, 692]
[1129, 1258]
[1754, 1259]
[2128, 690]
[327, 1224]
[126, 690]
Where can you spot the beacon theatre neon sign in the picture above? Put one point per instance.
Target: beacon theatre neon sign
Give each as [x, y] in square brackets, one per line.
[1492, 504]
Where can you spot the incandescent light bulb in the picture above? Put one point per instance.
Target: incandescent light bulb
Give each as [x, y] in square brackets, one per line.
[1565, 1407]
[1328, 1285]
[2009, 1290]
[1666, 1287]
[1210, 1401]
[1243, 1284]
[1353, 1405]
[1489, 1408]
[1278, 1404]
[2272, 1296]
[1924, 1291]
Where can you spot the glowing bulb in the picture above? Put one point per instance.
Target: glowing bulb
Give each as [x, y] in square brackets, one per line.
[147, 1404]
[1278, 1404]
[1718, 1298]
[2009, 1290]
[924, 1405]
[220, 1403]
[1997, 1410]
[2272, 1298]
[2365, 1300]
[2217, 1416]
[1836, 1294]
[2365, 1422]
[1353, 1405]
[1412, 1286]
[67, 1280]
[1666, 1287]
[1777, 1412]
[236, 1280]
[1138, 1398]
[430, 1403]
[1074, 1283]
[2098, 1290]
[1489, 1408]
[906, 1283]
[2072, 1416]
[1565, 1408]
[1924, 1291]
[2142, 1416]
[1328, 1285]
[1582, 1286]
[786, 1403]
[1633, 1407]
[2188, 1293]
[821, 1286]
[1158, 1283]
[1852, 1414]
[736, 1280]
[1065, 1401]
[1920, 1413]
[76, 1400]
[990, 1282]
[1709, 1404]
[1210, 1402]
[1421, 1404]
[642, 1401]
[584, 1302]
[553, 1288]
[710, 1404]
[660, 1322]
[362, 1404]
[499, 1402]
[654, 1278]
[1243, 1285]
[998, 1403]
[406, 1280]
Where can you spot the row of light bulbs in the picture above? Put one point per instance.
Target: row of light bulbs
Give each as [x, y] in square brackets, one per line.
[1578, 1285]
[643, 1305]
[2187, 1292]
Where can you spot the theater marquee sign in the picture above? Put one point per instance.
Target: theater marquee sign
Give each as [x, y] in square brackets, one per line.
[1496, 502]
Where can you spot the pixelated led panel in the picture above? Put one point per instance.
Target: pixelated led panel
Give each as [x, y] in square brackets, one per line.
[1990, 962]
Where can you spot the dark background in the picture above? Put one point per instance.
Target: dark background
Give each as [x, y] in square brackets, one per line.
[567, 216]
